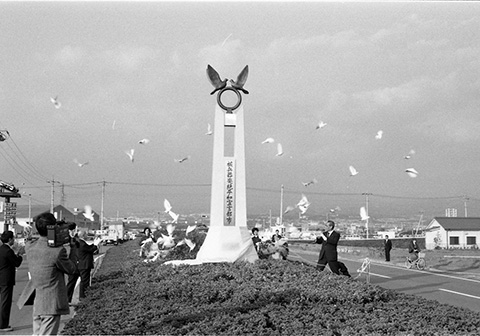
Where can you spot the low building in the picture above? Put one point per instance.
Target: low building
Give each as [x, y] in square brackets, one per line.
[453, 232]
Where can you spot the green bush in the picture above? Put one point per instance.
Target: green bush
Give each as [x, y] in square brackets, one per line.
[268, 297]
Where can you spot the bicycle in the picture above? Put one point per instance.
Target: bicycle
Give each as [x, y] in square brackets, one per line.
[419, 263]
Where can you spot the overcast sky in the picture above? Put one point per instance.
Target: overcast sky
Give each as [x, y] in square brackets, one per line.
[128, 71]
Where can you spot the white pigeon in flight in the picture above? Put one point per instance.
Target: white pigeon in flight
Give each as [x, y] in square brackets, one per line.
[320, 125]
[168, 209]
[303, 204]
[209, 130]
[306, 184]
[182, 159]
[279, 149]
[363, 214]
[411, 172]
[268, 140]
[55, 102]
[409, 155]
[288, 209]
[353, 171]
[130, 154]
[80, 164]
[144, 141]
[379, 135]
[88, 213]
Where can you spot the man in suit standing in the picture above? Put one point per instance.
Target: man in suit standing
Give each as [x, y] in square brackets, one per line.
[388, 247]
[9, 261]
[81, 253]
[47, 266]
[328, 254]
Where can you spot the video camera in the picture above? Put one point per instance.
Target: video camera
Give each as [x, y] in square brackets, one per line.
[57, 234]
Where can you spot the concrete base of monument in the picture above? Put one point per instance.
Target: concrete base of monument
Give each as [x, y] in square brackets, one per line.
[224, 244]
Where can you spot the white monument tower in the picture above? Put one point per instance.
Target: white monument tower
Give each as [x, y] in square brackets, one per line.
[228, 238]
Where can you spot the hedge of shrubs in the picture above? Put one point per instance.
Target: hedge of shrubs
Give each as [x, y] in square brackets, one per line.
[268, 297]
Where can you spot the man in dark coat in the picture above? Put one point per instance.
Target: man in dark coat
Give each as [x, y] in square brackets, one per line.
[81, 253]
[388, 247]
[9, 261]
[328, 254]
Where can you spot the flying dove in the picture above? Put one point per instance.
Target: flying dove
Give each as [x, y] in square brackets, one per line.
[320, 125]
[411, 172]
[182, 159]
[241, 79]
[144, 141]
[409, 155]
[268, 140]
[279, 149]
[303, 204]
[214, 78]
[168, 241]
[363, 214]
[189, 243]
[113, 125]
[168, 209]
[88, 214]
[55, 102]
[379, 135]
[80, 164]
[306, 184]
[353, 171]
[209, 130]
[130, 154]
[288, 209]
[189, 229]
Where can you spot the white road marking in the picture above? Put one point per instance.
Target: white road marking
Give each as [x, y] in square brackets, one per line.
[450, 291]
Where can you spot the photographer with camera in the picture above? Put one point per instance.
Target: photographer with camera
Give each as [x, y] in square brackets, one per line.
[47, 266]
[81, 253]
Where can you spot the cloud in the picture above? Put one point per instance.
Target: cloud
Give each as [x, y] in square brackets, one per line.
[68, 55]
[129, 58]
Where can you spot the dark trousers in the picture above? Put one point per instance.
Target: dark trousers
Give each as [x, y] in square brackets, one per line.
[84, 275]
[387, 255]
[333, 264]
[6, 295]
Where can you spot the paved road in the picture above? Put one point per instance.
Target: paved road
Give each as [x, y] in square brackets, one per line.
[21, 319]
[442, 287]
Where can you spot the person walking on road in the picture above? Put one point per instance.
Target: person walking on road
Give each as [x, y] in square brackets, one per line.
[328, 254]
[388, 247]
[47, 266]
[9, 261]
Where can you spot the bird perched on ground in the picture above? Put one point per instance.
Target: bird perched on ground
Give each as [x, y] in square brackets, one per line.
[241, 79]
[168, 241]
[215, 79]
[55, 102]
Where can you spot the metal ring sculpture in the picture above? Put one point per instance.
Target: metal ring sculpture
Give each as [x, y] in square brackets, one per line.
[227, 108]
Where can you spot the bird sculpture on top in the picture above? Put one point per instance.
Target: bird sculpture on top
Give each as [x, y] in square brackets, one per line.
[215, 79]
[241, 80]
[220, 84]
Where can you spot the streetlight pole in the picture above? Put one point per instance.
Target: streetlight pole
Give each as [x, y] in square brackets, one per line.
[281, 205]
[366, 208]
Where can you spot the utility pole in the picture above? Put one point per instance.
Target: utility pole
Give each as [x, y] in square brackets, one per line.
[281, 205]
[465, 199]
[62, 198]
[101, 207]
[52, 200]
[366, 208]
[30, 209]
